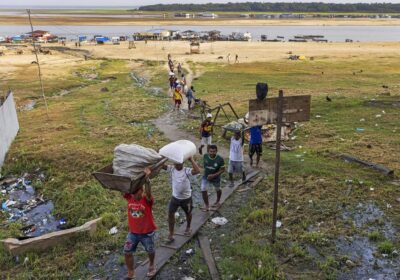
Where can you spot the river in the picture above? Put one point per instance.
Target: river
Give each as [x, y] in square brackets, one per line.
[331, 33]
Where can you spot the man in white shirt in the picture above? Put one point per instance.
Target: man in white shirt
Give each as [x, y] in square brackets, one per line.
[236, 157]
[181, 194]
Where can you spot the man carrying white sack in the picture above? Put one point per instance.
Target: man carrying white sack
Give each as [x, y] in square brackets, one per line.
[181, 194]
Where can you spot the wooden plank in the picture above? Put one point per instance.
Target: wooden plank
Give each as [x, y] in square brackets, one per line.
[386, 171]
[295, 109]
[163, 254]
[207, 254]
[43, 242]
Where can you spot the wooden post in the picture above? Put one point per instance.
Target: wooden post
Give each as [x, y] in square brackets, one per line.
[38, 64]
[277, 164]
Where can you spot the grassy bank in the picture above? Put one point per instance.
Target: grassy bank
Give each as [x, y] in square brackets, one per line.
[318, 190]
[320, 194]
[78, 137]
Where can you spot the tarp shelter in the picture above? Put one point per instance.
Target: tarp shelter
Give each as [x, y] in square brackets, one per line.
[82, 38]
[17, 39]
[9, 125]
[102, 40]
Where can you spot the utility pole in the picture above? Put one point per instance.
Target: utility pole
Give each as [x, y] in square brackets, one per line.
[38, 64]
[277, 164]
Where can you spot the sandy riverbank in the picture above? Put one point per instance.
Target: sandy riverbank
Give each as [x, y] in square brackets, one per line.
[76, 20]
[60, 62]
[247, 51]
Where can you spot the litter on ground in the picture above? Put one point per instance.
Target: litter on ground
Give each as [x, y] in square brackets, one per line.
[219, 221]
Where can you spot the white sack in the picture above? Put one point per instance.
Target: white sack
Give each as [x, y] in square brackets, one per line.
[130, 160]
[178, 151]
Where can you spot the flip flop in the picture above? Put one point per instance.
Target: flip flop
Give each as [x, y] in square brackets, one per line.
[205, 209]
[187, 232]
[130, 278]
[215, 206]
[152, 273]
[169, 240]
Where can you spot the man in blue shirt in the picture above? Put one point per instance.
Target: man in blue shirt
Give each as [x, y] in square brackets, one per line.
[255, 144]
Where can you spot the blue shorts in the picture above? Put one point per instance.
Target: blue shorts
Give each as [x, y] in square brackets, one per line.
[235, 167]
[205, 185]
[133, 239]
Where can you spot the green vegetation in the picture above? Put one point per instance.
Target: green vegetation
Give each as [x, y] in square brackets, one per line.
[278, 7]
[386, 247]
[314, 192]
[78, 138]
[86, 124]
[375, 236]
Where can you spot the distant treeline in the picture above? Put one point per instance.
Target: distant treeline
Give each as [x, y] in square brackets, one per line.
[278, 7]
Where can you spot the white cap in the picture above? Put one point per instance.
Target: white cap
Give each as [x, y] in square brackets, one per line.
[209, 115]
[178, 85]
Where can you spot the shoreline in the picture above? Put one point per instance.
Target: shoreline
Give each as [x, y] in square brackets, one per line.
[93, 21]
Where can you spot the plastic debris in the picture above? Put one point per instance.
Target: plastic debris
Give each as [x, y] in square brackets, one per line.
[23, 204]
[362, 120]
[219, 221]
[278, 224]
[113, 231]
[259, 265]
[177, 215]
[360, 129]
[378, 116]
[189, 251]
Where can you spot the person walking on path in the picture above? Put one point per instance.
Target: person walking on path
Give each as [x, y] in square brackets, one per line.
[214, 166]
[183, 82]
[236, 157]
[179, 68]
[141, 226]
[236, 58]
[181, 194]
[190, 96]
[228, 57]
[177, 96]
[206, 133]
[255, 144]
[171, 81]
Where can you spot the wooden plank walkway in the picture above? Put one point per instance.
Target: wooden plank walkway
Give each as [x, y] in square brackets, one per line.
[207, 254]
[165, 252]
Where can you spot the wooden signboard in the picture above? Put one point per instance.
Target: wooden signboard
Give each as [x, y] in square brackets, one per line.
[279, 110]
[295, 109]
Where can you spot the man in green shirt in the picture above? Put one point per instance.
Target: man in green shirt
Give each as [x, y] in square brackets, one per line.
[214, 166]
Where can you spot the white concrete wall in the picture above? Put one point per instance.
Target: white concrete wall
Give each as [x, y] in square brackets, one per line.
[9, 126]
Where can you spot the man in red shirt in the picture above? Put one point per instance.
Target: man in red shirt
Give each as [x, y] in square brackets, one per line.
[141, 226]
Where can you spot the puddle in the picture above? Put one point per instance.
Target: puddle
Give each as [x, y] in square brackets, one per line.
[20, 202]
[370, 217]
[140, 81]
[369, 264]
[361, 252]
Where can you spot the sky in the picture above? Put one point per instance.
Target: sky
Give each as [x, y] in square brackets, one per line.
[31, 3]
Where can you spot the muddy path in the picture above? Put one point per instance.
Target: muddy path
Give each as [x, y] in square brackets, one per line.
[169, 122]
[110, 266]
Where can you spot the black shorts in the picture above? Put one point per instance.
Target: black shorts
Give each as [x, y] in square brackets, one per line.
[255, 148]
[185, 204]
